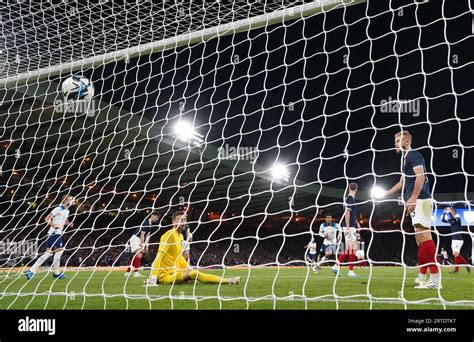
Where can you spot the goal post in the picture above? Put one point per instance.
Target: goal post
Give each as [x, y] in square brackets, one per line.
[292, 12]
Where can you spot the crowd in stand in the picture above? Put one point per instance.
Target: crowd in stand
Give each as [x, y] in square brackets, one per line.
[213, 245]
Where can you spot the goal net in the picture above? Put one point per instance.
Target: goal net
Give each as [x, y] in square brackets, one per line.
[253, 117]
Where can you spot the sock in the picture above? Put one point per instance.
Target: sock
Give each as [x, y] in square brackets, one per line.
[208, 278]
[435, 277]
[422, 276]
[430, 256]
[342, 257]
[456, 262]
[421, 261]
[459, 260]
[322, 260]
[129, 268]
[136, 263]
[351, 259]
[40, 262]
[56, 262]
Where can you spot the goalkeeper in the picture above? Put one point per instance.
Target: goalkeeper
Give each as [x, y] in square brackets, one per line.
[170, 266]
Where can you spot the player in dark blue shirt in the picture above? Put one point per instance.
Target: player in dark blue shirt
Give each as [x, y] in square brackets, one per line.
[419, 205]
[138, 243]
[349, 224]
[450, 216]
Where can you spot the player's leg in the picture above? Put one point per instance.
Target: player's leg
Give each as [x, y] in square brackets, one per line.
[209, 278]
[328, 253]
[136, 248]
[322, 251]
[345, 251]
[171, 277]
[339, 259]
[320, 258]
[53, 242]
[423, 268]
[352, 257]
[456, 246]
[58, 250]
[427, 255]
[421, 220]
[136, 263]
[311, 259]
[40, 261]
[455, 250]
[56, 263]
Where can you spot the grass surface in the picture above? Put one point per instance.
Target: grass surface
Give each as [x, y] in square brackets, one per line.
[261, 288]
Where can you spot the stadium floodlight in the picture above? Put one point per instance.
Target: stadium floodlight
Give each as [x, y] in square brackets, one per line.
[378, 192]
[185, 132]
[280, 171]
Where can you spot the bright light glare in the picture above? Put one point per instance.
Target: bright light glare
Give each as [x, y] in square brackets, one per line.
[469, 216]
[378, 192]
[185, 132]
[280, 171]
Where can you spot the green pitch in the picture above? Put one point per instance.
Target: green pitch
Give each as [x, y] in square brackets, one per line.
[263, 288]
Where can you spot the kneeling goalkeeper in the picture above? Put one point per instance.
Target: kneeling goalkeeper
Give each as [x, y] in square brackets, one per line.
[170, 267]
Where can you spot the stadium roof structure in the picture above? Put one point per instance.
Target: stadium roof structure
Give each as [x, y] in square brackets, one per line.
[109, 149]
[108, 152]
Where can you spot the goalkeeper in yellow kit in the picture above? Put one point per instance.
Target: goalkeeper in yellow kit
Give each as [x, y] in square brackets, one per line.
[170, 267]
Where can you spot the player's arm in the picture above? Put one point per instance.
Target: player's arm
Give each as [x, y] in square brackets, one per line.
[420, 179]
[321, 231]
[446, 216]
[162, 251]
[48, 218]
[396, 188]
[142, 238]
[347, 217]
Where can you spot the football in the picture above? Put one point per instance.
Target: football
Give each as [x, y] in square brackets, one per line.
[77, 87]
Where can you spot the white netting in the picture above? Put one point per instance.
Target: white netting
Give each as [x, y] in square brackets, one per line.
[253, 116]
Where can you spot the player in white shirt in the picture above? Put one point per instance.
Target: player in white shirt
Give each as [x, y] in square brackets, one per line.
[443, 256]
[327, 230]
[311, 251]
[57, 221]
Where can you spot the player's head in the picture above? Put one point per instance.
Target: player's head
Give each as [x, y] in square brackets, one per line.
[402, 141]
[67, 201]
[328, 219]
[154, 217]
[179, 219]
[353, 187]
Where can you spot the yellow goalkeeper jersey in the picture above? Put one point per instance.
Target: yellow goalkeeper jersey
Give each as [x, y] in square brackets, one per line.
[170, 253]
